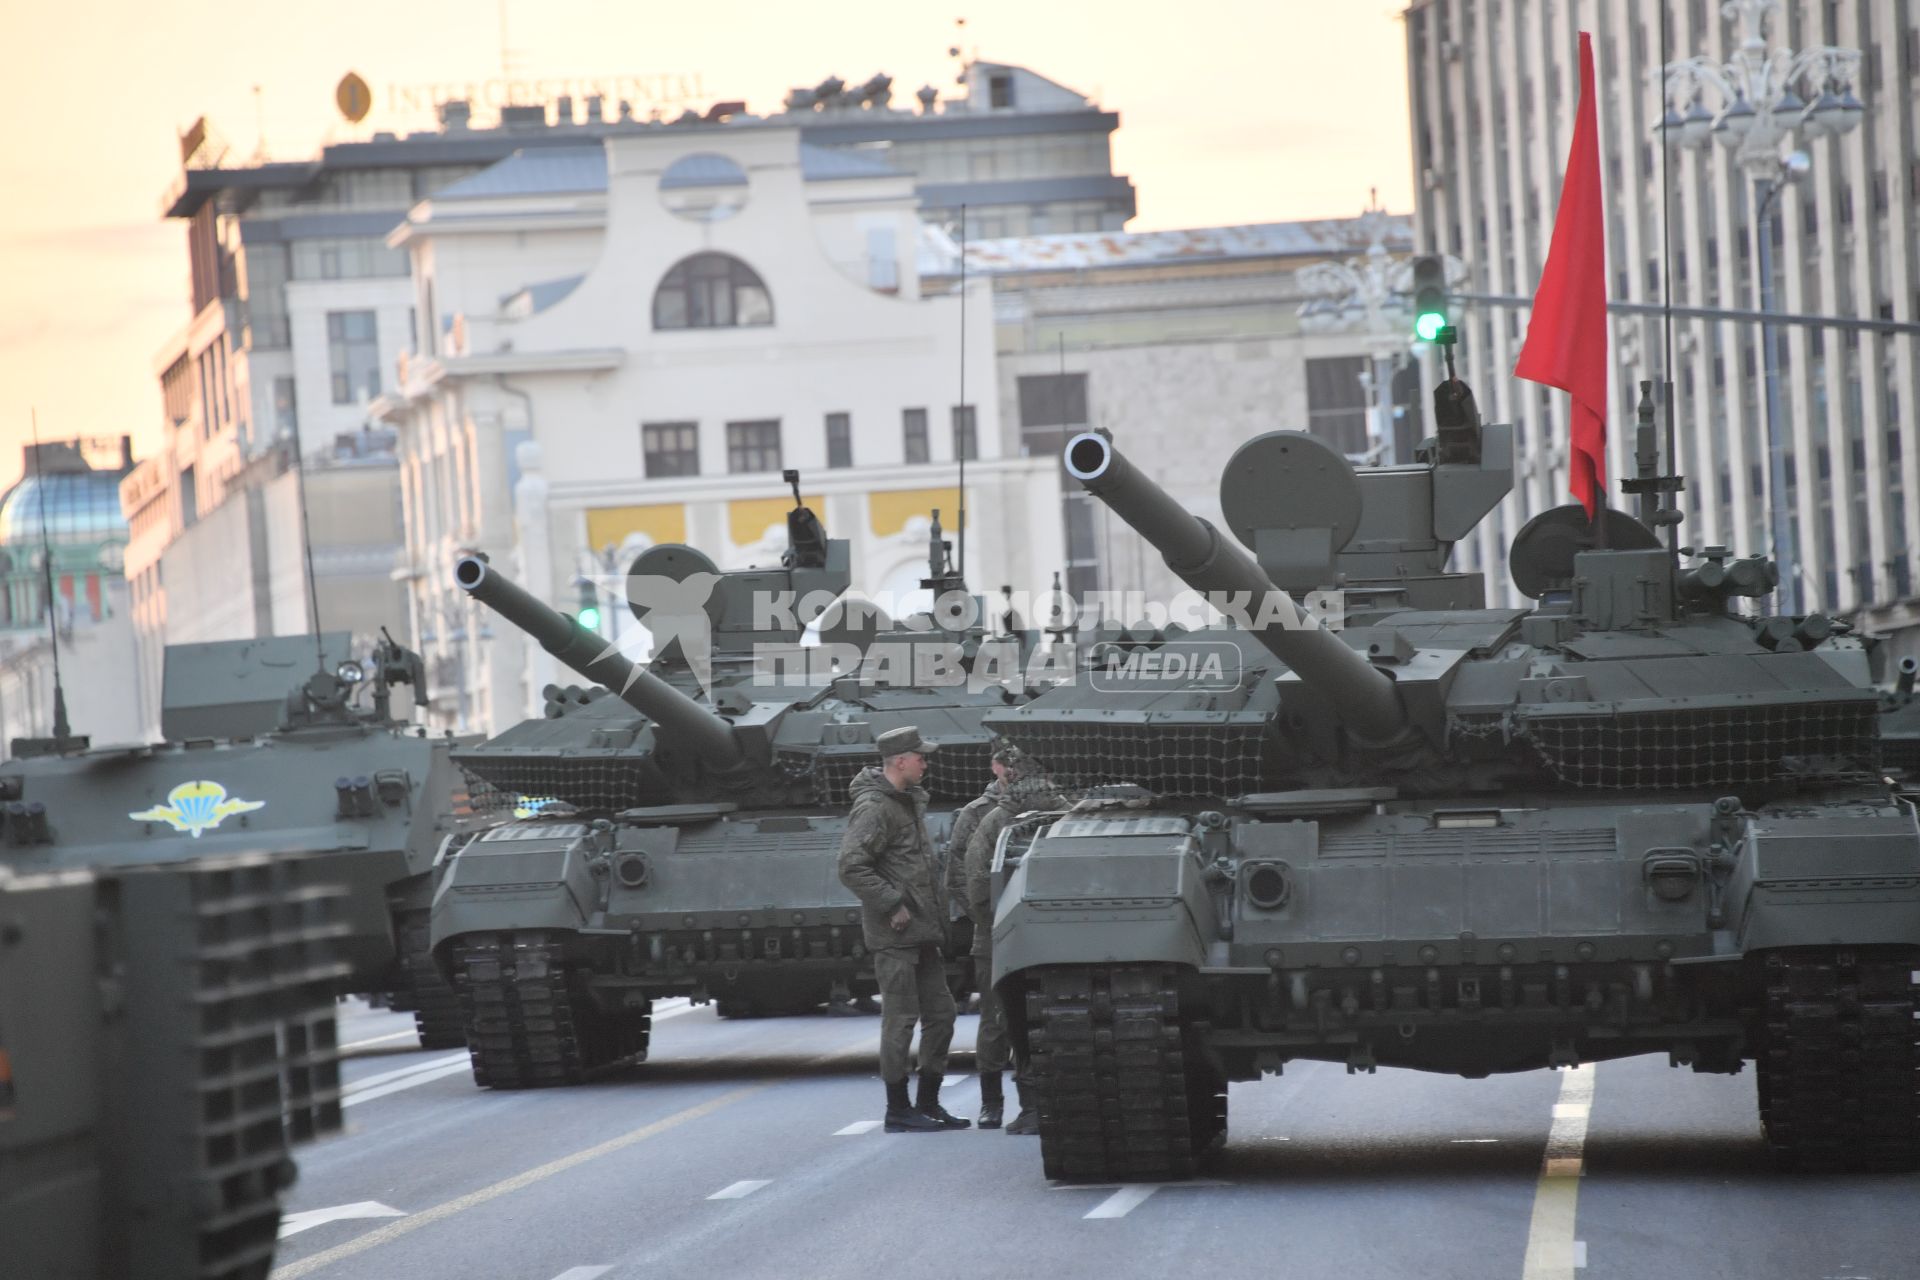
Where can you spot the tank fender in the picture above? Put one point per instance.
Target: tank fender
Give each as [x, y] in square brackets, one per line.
[1095, 891]
[1838, 878]
[517, 876]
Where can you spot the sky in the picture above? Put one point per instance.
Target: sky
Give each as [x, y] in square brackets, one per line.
[1231, 112]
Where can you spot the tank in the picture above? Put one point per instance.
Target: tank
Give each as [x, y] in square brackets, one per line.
[1631, 819]
[669, 839]
[286, 745]
[167, 1038]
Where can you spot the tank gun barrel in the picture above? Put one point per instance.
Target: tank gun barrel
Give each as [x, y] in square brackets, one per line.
[1209, 563]
[680, 718]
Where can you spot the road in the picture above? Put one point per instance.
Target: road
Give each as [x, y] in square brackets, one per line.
[752, 1148]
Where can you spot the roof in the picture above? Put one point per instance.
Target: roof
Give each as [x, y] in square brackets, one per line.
[1084, 249]
[550, 171]
[81, 506]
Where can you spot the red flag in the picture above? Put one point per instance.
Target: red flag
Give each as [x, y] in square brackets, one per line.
[1566, 344]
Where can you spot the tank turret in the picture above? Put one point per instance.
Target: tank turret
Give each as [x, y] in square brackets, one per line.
[704, 732]
[1208, 563]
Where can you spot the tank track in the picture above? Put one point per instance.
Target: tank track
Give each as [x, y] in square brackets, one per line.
[1123, 1089]
[1839, 1060]
[436, 1006]
[526, 1023]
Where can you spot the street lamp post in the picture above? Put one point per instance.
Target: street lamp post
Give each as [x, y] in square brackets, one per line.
[1762, 112]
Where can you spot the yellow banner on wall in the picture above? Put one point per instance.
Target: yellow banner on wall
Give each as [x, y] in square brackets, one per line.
[749, 518]
[660, 522]
[888, 511]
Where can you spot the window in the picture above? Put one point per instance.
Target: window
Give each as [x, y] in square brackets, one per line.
[1053, 407]
[286, 419]
[711, 291]
[353, 350]
[913, 431]
[839, 440]
[1337, 402]
[753, 446]
[1000, 92]
[966, 433]
[670, 448]
[189, 499]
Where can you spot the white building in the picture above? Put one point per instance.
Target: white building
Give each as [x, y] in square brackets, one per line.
[1492, 88]
[638, 337]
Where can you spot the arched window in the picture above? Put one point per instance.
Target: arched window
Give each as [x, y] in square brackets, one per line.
[711, 291]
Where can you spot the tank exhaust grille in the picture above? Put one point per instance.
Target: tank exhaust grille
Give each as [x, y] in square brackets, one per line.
[1704, 748]
[957, 772]
[1167, 759]
[504, 783]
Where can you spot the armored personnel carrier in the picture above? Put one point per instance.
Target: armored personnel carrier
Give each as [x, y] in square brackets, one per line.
[681, 841]
[283, 745]
[1628, 820]
[166, 1038]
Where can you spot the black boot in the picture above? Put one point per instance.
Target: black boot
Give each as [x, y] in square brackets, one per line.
[901, 1116]
[928, 1103]
[991, 1100]
[1027, 1123]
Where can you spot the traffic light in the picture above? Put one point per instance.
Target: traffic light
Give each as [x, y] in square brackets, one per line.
[1429, 297]
[589, 615]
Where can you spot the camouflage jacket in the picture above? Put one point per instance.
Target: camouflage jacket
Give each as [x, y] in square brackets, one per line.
[886, 858]
[965, 823]
[1012, 801]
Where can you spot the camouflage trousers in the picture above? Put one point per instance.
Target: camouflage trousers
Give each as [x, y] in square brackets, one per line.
[992, 1050]
[913, 989]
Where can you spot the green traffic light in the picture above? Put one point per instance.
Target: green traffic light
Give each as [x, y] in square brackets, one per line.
[1428, 324]
[590, 618]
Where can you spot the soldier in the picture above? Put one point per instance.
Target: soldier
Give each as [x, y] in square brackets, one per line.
[1026, 788]
[1005, 759]
[886, 858]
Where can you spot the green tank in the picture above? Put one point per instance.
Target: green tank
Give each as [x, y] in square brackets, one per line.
[284, 745]
[167, 1037]
[675, 840]
[1628, 820]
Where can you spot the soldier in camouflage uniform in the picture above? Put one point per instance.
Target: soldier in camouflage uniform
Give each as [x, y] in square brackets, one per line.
[1026, 788]
[887, 860]
[1004, 760]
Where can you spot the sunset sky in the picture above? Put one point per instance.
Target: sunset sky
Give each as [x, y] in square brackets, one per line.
[1255, 111]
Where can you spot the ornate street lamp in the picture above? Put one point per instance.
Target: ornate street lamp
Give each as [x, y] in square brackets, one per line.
[1770, 99]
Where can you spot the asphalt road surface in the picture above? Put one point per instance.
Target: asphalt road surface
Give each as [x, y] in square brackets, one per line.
[753, 1148]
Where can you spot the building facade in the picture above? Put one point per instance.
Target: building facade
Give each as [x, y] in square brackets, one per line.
[1493, 85]
[66, 507]
[1183, 345]
[639, 337]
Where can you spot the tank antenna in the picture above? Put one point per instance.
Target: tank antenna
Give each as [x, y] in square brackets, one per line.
[61, 729]
[306, 547]
[960, 438]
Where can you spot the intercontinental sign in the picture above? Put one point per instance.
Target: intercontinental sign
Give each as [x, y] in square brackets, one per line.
[643, 92]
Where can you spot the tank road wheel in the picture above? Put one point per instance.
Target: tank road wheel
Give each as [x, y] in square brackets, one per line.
[522, 1019]
[1839, 1060]
[436, 1007]
[1124, 1092]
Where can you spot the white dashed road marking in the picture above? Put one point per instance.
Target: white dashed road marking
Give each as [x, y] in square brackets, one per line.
[738, 1190]
[445, 1067]
[1552, 1252]
[397, 1035]
[1128, 1196]
[857, 1128]
[1459, 1141]
[583, 1273]
[293, 1224]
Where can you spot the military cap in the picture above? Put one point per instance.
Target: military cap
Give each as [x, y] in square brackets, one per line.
[898, 742]
[1008, 754]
